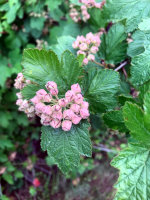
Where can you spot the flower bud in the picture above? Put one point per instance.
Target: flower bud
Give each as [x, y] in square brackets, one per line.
[63, 102]
[94, 49]
[56, 108]
[75, 108]
[39, 107]
[36, 182]
[52, 88]
[55, 123]
[57, 115]
[66, 125]
[85, 105]
[19, 95]
[85, 61]
[76, 88]
[47, 110]
[70, 95]
[41, 93]
[68, 114]
[78, 99]
[76, 119]
[91, 57]
[35, 100]
[19, 102]
[47, 98]
[84, 113]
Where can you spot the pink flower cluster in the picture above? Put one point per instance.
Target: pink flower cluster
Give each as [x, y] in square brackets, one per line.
[82, 13]
[24, 105]
[79, 14]
[61, 112]
[92, 3]
[21, 82]
[87, 46]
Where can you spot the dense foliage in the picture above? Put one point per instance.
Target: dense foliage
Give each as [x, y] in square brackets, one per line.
[102, 46]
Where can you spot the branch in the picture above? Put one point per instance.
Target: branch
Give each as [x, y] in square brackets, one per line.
[97, 63]
[121, 66]
[104, 149]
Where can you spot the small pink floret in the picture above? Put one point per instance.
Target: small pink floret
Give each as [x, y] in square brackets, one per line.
[66, 125]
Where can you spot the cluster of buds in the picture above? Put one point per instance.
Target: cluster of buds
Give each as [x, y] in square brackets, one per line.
[92, 3]
[41, 44]
[38, 15]
[24, 105]
[129, 38]
[21, 82]
[88, 46]
[78, 14]
[61, 112]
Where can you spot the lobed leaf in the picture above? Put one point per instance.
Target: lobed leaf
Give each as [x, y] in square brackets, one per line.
[114, 120]
[140, 69]
[134, 178]
[133, 11]
[49, 68]
[134, 118]
[66, 147]
[103, 86]
[114, 46]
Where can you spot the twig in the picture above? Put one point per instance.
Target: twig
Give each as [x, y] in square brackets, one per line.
[1, 190]
[121, 66]
[104, 149]
[98, 63]
[125, 73]
[17, 196]
[42, 169]
[28, 179]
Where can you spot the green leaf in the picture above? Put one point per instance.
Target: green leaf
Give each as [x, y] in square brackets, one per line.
[134, 118]
[131, 10]
[18, 174]
[140, 69]
[32, 191]
[37, 23]
[5, 142]
[66, 147]
[102, 88]
[5, 72]
[145, 25]
[114, 120]
[5, 118]
[114, 46]
[140, 43]
[3, 197]
[124, 98]
[56, 14]
[3, 157]
[71, 70]
[134, 177]
[143, 90]
[30, 90]
[147, 103]
[147, 107]
[13, 8]
[53, 4]
[8, 177]
[63, 43]
[49, 68]
[96, 17]
[44, 62]
[76, 2]
[65, 29]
